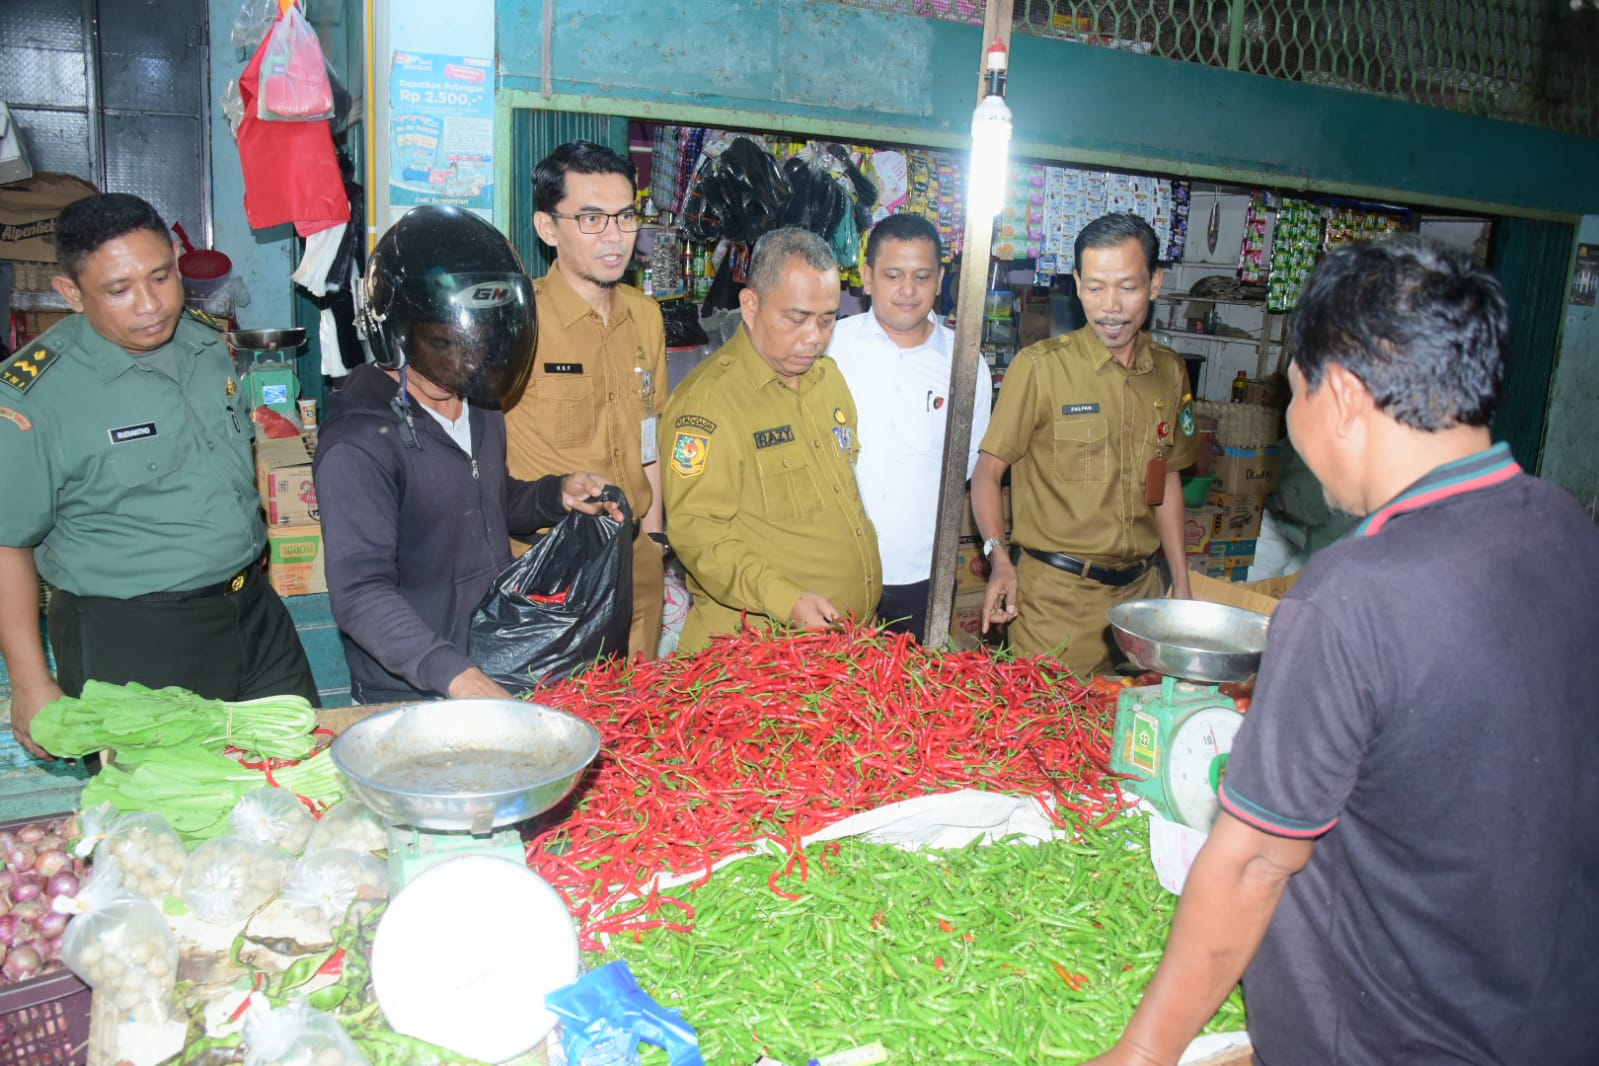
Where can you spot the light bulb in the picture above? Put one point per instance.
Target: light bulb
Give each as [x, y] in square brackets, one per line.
[991, 128]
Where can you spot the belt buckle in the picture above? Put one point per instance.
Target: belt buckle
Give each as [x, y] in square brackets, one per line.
[238, 581]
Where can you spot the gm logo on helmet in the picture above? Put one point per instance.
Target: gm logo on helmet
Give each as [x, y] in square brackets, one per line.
[488, 294]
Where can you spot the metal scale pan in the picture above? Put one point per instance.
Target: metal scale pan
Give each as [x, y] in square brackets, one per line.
[1190, 639]
[471, 765]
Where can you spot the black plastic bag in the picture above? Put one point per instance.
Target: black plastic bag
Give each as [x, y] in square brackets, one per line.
[564, 604]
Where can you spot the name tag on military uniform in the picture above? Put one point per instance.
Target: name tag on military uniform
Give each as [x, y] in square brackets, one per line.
[123, 434]
[1080, 409]
[563, 368]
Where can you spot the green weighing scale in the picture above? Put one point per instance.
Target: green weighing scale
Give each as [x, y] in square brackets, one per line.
[1173, 738]
[449, 776]
[269, 382]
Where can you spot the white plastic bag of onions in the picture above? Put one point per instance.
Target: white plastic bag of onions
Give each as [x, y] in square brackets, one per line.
[296, 1035]
[120, 944]
[150, 854]
[228, 878]
[35, 868]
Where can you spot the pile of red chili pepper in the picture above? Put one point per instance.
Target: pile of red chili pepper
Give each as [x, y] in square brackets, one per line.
[771, 737]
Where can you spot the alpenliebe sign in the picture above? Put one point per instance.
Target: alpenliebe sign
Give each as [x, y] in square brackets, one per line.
[28, 211]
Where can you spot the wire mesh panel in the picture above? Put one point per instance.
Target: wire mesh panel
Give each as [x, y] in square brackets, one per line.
[1533, 61]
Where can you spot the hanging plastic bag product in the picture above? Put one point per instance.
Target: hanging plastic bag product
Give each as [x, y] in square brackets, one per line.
[294, 76]
[565, 603]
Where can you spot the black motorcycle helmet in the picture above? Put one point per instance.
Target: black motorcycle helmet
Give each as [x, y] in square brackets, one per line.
[445, 293]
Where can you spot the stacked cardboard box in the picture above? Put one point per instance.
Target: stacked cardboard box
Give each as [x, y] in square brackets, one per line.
[1234, 533]
[294, 530]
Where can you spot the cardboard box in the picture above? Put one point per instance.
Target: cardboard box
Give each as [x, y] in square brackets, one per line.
[969, 520]
[1268, 392]
[1260, 596]
[966, 622]
[971, 568]
[1239, 516]
[283, 476]
[1247, 471]
[294, 560]
[28, 211]
[14, 165]
[1199, 525]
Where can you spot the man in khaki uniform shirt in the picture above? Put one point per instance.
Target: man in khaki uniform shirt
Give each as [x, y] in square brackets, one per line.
[761, 442]
[599, 374]
[1097, 424]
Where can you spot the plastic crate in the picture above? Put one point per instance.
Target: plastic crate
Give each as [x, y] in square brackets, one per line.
[45, 1022]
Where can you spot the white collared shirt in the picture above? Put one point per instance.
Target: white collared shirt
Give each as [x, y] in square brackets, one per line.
[902, 399]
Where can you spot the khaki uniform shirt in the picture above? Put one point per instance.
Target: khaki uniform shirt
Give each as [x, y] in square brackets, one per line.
[124, 480]
[760, 492]
[593, 388]
[1078, 430]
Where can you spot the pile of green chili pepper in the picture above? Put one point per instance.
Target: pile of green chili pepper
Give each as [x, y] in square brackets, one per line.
[989, 953]
[774, 736]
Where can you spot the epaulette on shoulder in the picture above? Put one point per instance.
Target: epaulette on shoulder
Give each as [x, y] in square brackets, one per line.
[205, 318]
[25, 368]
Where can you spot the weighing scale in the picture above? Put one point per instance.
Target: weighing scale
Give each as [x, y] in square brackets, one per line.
[272, 382]
[450, 777]
[1173, 739]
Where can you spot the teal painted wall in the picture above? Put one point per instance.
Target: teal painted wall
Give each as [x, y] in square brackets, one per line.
[813, 65]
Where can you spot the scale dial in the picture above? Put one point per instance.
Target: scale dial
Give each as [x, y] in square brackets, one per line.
[1192, 763]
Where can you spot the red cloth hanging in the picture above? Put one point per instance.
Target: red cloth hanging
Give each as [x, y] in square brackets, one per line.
[291, 171]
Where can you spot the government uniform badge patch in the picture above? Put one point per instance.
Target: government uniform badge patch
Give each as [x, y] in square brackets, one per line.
[1185, 419]
[688, 454]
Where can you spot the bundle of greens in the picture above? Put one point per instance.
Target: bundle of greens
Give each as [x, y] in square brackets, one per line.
[188, 758]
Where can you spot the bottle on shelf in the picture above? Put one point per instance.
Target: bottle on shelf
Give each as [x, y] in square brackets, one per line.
[1240, 386]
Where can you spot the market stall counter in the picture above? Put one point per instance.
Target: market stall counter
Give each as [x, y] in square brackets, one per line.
[802, 844]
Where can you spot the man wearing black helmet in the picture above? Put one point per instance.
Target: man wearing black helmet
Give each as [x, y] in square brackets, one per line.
[417, 506]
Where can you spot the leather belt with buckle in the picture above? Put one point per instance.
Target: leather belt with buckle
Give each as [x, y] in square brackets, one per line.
[227, 587]
[1105, 575]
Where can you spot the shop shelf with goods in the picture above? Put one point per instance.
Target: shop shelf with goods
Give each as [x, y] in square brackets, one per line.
[1220, 320]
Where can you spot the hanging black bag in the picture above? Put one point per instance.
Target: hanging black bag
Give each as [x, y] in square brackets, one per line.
[566, 603]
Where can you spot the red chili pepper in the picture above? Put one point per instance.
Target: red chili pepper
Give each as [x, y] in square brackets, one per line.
[779, 736]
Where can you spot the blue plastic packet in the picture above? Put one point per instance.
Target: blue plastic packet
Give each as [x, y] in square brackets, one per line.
[606, 1015]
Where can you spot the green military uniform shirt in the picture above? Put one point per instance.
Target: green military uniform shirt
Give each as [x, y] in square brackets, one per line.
[125, 480]
[1078, 430]
[761, 501]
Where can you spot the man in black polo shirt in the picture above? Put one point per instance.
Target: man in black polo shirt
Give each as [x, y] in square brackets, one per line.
[1406, 869]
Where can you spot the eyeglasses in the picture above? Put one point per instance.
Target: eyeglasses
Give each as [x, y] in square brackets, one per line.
[591, 222]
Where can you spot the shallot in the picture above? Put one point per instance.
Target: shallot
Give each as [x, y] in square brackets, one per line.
[37, 870]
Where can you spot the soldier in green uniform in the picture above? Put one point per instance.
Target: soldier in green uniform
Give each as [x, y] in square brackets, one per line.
[1094, 426]
[760, 442]
[130, 487]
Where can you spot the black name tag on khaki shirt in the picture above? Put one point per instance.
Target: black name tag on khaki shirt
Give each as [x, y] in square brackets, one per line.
[1080, 409]
[765, 438]
[563, 368]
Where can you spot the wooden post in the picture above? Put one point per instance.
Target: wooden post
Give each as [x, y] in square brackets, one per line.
[976, 247]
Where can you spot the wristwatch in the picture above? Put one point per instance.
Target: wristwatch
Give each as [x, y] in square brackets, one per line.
[990, 544]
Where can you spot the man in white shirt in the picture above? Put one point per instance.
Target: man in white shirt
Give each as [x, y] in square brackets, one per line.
[896, 360]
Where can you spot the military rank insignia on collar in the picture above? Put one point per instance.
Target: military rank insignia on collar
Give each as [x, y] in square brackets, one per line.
[27, 367]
